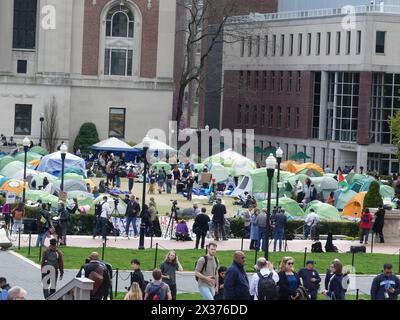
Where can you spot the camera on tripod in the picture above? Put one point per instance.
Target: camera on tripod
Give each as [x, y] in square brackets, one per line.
[174, 204]
[116, 201]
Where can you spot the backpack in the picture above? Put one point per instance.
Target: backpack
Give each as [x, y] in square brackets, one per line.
[52, 259]
[98, 279]
[365, 218]
[4, 294]
[303, 293]
[317, 247]
[98, 209]
[267, 288]
[205, 265]
[156, 292]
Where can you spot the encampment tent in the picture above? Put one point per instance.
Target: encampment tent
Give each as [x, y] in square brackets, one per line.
[325, 185]
[342, 198]
[29, 156]
[12, 168]
[219, 172]
[52, 163]
[325, 211]
[292, 208]
[353, 209]
[112, 145]
[5, 160]
[386, 191]
[312, 168]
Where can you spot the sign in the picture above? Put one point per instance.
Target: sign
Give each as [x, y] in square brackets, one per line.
[11, 198]
[63, 196]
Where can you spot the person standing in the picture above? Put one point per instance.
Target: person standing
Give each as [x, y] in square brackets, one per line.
[52, 257]
[365, 225]
[177, 174]
[288, 280]
[299, 191]
[246, 216]
[311, 219]
[218, 212]
[236, 283]
[131, 179]
[169, 182]
[189, 186]
[221, 277]
[168, 269]
[311, 279]
[385, 286]
[160, 181]
[137, 275]
[44, 225]
[335, 290]
[18, 214]
[378, 223]
[206, 273]
[64, 217]
[279, 230]
[135, 293]
[157, 290]
[264, 269]
[103, 218]
[200, 227]
[261, 222]
[6, 210]
[254, 229]
[132, 210]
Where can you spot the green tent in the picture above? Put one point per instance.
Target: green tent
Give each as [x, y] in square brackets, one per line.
[29, 156]
[12, 168]
[75, 170]
[386, 191]
[353, 177]
[72, 176]
[260, 180]
[5, 160]
[292, 208]
[199, 166]
[299, 156]
[310, 172]
[84, 198]
[219, 172]
[40, 176]
[40, 150]
[159, 165]
[325, 211]
[35, 195]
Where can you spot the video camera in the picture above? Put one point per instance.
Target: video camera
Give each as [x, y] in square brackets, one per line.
[174, 202]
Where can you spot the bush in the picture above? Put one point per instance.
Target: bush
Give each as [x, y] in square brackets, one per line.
[237, 227]
[373, 198]
[87, 136]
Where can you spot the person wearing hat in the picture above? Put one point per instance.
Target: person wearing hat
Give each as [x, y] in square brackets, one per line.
[51, 257]
[310, 278]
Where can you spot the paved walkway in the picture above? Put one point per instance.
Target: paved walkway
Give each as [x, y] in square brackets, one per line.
[231, 244]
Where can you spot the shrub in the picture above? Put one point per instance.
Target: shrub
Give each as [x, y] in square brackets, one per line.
[237, 227]
[86, 137]
[373, 198]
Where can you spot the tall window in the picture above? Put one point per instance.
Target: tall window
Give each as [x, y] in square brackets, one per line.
[254, 116]
[380, 42]
[23, 119]
[247, 115]
[118, 61]
[291, 44]
[308, 44]
[348, 42]
[318, 46]
[300, 44]
[264, 80]
[274, 45]
[358, 51]
[272, 81]
[289, 81]
[297, 122]
[263, 119]
[282, 44]
[24, 30]
[239, 114]
[249, 46]
[256, 80]
[248, 78]
[288, 117]
[270, 116]
[117, 123]
[258, 46]
[280, 80]
[242, 47]
[328, 43]
[298, 82]
[338, 42]
[241, 78]
[279, 125]
[266, 46]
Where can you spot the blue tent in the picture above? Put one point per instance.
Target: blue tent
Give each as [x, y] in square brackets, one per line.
[52, 163]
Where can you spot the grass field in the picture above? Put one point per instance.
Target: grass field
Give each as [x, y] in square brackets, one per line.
[120, 258]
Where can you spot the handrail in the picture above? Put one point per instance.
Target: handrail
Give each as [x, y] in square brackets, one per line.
[81, 288]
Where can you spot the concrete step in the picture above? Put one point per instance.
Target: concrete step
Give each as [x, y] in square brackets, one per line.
[321, 237]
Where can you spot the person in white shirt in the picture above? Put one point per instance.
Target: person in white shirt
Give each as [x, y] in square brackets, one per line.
[265, 268]
[300, 191]
[103, 219]
[311, 219]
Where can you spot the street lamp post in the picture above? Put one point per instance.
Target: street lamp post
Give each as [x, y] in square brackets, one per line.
[146, 145]
[41, 128]
[26, 143]
[279, 155]
[270, 164]
[63, 150]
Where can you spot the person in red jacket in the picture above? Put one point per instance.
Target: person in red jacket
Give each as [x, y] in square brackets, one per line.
[365, 225]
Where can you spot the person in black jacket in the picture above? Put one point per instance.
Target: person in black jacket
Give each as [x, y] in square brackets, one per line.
[288, 280]
[334, 287]
[219, 211]
[137, 275]
[132, 211]
[311, 279]
[379, 222]
[386, 286]
[200, 227]
[236, 282]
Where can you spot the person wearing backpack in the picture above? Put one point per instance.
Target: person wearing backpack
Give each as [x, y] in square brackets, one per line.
[157, 290]
[236, 282]
[52, 256]
[102, 212]
[365, 225]
[264, 283]
[44, 225]
[64, 217]
[206, 273]
[311, 279]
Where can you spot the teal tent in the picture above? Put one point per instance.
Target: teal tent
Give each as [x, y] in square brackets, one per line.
[40, 150]
[5, 160]
[342, 198]
[386, 191]
[29, 156]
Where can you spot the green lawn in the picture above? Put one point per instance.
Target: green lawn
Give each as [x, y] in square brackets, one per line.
[120, 258]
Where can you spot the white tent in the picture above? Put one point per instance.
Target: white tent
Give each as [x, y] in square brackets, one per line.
[155, 145]
[245, 185]
[112, 144]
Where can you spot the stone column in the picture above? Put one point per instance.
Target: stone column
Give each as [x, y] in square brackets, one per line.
[323, 105]
[6, 35]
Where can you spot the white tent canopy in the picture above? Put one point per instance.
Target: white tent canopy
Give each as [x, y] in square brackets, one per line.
[112, 144]
[240, 165]
[155, 145]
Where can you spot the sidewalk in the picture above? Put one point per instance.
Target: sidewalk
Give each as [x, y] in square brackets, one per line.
[231, 244]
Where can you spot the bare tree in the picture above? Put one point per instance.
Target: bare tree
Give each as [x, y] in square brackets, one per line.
[203, 28]
[50, 126]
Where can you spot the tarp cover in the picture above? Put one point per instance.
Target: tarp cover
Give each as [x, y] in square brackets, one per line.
[112, 144]
[52, 163]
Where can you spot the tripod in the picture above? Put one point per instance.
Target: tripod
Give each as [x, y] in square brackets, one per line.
[116, 211]
[172, 218]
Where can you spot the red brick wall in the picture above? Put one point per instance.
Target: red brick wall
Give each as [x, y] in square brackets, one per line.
[364, 108]
[91, 37]
[234, 95]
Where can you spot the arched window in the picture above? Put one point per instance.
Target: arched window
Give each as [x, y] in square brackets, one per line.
[118, 59]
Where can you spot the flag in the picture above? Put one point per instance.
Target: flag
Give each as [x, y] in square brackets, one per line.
[343, 184]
